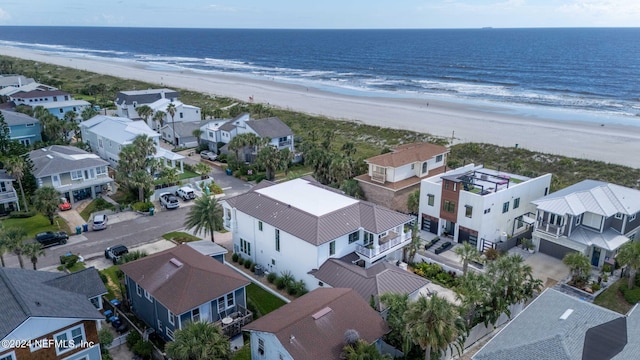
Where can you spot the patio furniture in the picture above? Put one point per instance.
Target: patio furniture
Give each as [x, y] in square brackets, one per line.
[444, 247]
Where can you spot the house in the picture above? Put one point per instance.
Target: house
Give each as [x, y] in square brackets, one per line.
[37, 97]
[559, 326]
[211, 133]
[22, 128]
[108, 134]
[209, 248]
[60, 108]
[171, 288]
[183, 133]
[157, 99]
[298, 225]
[370, 284]
[18, 86]
[314, 325]
[14, 81]
[43, 309]
[8, 196]
[395, 175]
[75, 173]
[591, 217]
[481, 206]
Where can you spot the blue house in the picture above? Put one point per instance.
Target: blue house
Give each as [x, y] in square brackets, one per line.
[169, 289]
[22, 128]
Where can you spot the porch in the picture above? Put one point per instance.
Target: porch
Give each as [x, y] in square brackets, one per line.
[233, 322]
[549, 228]
[389, 242]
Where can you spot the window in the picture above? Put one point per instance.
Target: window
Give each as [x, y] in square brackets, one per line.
[516, 203]
[148, 296]
[277, 240]
[195, 315]
[230, 300]
[181, 116]
[430, 199]
[413, 166]
[76, 175]
[449, 206]
[505, 207]
[619, 216]
[632, 217]
[260, 346]
[170, 333]
[424, 167]
[211, 134]
[221, 307]
[138, 290]
[63, 339]
[159, 325]
[578, 218]
[9, 356]
[273, 262]
[354, 236]
[486, 211]
[101, 170]
[172, 318]
[61, 111]
[332, 248]
[30, 125]
[468, 211]
[439, 158]
[245, 246]
[260, 225]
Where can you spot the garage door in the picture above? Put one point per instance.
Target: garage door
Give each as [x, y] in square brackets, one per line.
[553, 249]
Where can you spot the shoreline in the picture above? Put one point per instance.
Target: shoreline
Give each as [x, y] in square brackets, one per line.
[465, 121]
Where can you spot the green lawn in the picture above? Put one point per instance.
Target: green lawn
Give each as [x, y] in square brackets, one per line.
[95, 205]
[188, 175]
[112, 287]
[243, 354]
[264, 301]
[37, 224]
[180, 237]
[612, 298]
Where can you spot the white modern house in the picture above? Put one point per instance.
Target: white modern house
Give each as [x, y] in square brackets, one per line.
[8, 195]
[298, 225]
[592, 217]
[108, 134]
[478, 205]
[157, 99]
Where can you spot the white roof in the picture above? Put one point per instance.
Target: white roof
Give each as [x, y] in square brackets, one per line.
[608, 239]
[121, 130]
[59, 104]
[161, 105]
[164, 153]
[307, 197]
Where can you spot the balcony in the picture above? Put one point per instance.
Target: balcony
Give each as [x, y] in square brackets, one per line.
[8, 197]
[548, 228]
[385, 244]
[282, 144]
[232, 324]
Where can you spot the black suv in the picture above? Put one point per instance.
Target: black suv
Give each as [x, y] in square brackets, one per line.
[52, 238]
[115, 252]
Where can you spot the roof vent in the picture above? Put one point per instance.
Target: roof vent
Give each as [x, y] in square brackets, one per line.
[566, 314]
[321, 313]
[176, 262]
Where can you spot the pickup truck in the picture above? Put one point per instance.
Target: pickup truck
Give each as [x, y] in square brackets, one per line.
[186, 193]
[52, 238]
[168, 201]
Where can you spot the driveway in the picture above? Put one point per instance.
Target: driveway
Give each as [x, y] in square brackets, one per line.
[544, 267]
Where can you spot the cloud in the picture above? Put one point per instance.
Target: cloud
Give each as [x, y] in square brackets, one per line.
[4, 15]
[222, 8]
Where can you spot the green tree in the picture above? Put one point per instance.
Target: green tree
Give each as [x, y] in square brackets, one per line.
[88, 112]
[45, 201]
[473, 291]
[286, 157]
[16, 167]
[434, 324]
[269, 159]
[410, 250]
[467, 253]
[159, 117]
[413, 202]
[33, 251]
[349, 148]
[15, 237]
[206, 215]
[352, 188]
[360, 350]
[202, 169]
[171, 110]
[170, 175]
[217, 113]
[144, 111]
[135, 163]
[396, 305]
[70, 115]
[199, 341]
[629, 255]
[579, 266]
[197, 133]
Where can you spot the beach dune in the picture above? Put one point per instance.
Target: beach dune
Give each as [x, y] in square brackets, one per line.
[464, 122]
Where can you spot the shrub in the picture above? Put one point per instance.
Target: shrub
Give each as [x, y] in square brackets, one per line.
[142, 206]
[215, 188]
[491, 254]
[631, 295]
[102, 204]
[70, 261]
[143, 349]
[300, 288]
[253, 268]
[64, 259]
[271, 277]
[248, 263]
[426, 270]
[106, 337]
[235, 257]
[240, 261]
[291, 289]
[133, 338]
[280, 282]
[595, 287]
[105, 280]
[606, 268]
[21, 214]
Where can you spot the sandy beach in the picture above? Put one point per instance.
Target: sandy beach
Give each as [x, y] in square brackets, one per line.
[467, 122]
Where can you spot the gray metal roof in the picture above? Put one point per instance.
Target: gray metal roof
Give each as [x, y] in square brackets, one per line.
[317, 230]
[228, 126]
[539, 333]
[270, 128]
[208, 248]
[29, 293]
[14, 80]
[608, 239]
[118, 129]
[145, 96]
[183, 129]
[597, 197]
[58, 159]
[4, 176]
[13, 118]
[379, 279]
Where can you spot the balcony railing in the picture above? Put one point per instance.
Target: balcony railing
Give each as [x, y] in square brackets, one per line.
[383, 247]
[284, 143]
[552, 229]
[379, 177]
[239, 318]
[8, 196]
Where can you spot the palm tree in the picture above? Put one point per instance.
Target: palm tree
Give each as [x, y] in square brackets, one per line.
[199, 341]
[197, 133]
[410, 250]
[413, 202]
[473, 292]
[269, 158]
[434, 324]
[629, 255]
[159, 117]
[467, 253]
[15, 242]
[202, 169]
[171, 110]
[88, 113]
[205, 214]
[45, 201]
[170, 175]
[144, 111]
[33, 251]
[579, 266]
[396, 306]
[16, 167]
[360, 350]
[286, 157]
[349, 148]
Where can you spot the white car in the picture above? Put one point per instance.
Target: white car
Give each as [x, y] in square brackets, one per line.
[208, 155]
[169, 201]
[99, 222]
[186, 193]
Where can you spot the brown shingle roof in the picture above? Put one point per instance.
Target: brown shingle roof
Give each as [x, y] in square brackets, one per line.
[407, 154]
[306, 337]
[186, 283]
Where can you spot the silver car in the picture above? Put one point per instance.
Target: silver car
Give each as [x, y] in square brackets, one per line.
[208, 155]
[99, 222]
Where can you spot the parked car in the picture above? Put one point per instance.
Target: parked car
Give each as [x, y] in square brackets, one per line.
[99, 222]
[186, 193]
[169, 201]
[52, 238]
[64, 204]
[208, 155]
[114, 253]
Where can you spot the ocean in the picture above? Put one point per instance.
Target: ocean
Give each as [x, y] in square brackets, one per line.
[593, 70]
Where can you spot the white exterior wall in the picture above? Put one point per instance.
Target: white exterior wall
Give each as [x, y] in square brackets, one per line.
[426, 188]
[273, 349]
[401, 173]
[190, 113]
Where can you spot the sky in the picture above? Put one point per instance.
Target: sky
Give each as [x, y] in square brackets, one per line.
[323, 14]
